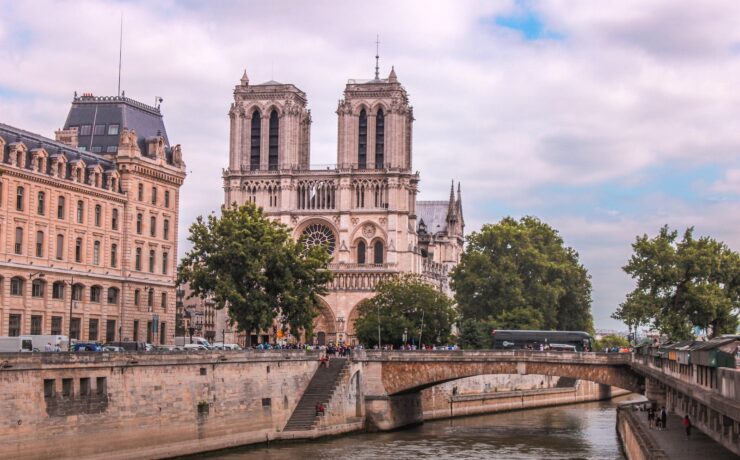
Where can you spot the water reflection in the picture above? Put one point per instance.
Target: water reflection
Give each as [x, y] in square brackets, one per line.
[581, 431]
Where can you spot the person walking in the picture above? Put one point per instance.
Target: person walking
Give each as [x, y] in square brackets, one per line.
[687, 425]
[651, 417]
[663, 418]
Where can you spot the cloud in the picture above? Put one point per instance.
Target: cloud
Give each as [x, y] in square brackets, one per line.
[600, 132]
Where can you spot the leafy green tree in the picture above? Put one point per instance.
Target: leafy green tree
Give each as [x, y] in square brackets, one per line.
[249, 262]
[521, 275]
[682, 284]
[400, 305]
[610, 341]
[475, 334]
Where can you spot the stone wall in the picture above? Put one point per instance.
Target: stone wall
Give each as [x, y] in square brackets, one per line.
[636, 442]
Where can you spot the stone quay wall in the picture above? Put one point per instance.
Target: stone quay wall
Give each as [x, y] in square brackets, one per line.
[122, 406]
[636, 442]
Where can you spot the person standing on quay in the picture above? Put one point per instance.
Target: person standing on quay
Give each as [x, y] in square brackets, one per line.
[663, 418]
[687, 425]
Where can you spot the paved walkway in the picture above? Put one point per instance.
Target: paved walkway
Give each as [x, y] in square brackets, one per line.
[674, 443]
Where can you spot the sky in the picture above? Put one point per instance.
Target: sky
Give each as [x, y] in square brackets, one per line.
[605, 119]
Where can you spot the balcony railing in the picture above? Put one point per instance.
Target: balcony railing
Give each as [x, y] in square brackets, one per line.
[359, 280]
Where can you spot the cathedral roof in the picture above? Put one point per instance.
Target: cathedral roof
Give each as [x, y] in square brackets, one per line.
[433, 214]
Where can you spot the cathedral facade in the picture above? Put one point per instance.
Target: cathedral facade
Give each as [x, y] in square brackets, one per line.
[363, 208]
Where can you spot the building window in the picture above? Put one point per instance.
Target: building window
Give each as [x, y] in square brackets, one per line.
[96, 149]
[273, 141]
[256, 138]
[111, 149]
[114, 219]
[99, 130]
[139, 219]
[19, 240]
[92, 329]
[162, 333]
[361, 252]
[85, 130]
[19, 199]
[57, 290]
[166, 229]
[14, 325]
[95, 292]
[164, 301]
[113, 255]
[379, 139]
[154, 195]
[60, 208]
[41, 206]
[166, 198]
[80, 211]
[113, 130]
[151, 261]
[77, 291]
[37, 288]
[78, 250]
[136, 330]
[110, 333]
[378, 252]
[362, 141]
[39, 244]
[164, 263]
[153, 226]
[36, 324]
[60, 247]
[96, 253]
[113, 296]
[74, 332]
[56, 325]
[137, 263]
[141, 192]
[98, 215]
[150, 298]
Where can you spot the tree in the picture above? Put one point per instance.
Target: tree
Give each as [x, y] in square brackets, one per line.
[682, 284]
[475, 334]
[611, 341]
[521, 275]
[400, 305]
[248, 262]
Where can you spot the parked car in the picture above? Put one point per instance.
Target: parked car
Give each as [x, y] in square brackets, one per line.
[87, 346]
[129, 346]
[113, 349]
[195, 346]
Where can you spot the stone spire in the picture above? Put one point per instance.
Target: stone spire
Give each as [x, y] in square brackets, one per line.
[459, 199]
[451, 204]
[245, 78]
[392, 76]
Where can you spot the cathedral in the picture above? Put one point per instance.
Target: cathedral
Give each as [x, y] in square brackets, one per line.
[363, 208]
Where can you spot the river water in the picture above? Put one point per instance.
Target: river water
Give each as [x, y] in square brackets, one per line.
[578, 431]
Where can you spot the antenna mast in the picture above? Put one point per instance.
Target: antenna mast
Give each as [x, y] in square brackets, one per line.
[120, 54]
[377, 56]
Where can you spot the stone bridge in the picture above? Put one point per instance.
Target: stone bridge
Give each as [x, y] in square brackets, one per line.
[393, 380]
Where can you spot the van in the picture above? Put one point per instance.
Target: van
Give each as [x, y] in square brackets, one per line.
[16, 344]
[40, 342]
[182, 341]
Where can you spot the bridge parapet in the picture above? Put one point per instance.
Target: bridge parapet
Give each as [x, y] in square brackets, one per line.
[607, 359]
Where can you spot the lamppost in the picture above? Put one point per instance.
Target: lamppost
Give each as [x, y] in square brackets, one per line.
[421, 330]
[405, 335]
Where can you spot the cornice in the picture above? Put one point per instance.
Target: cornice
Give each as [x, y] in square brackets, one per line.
[65, 184]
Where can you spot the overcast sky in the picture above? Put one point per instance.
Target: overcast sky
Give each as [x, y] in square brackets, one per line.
[605, 119]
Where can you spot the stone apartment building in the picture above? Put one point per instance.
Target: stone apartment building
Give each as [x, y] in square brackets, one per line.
[88, 225]
[363, 208]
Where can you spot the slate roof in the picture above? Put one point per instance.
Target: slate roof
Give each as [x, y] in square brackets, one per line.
[123, 111]
[433, 214]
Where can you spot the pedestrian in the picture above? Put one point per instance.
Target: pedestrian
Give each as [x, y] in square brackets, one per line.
[651, 417]
[663, 418]
[687, 425]
[48, 346]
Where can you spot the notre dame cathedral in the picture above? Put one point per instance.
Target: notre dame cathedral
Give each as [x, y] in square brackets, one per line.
[364, 208]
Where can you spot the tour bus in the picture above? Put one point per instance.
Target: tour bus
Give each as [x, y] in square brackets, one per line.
[16, 344]
[550, 340]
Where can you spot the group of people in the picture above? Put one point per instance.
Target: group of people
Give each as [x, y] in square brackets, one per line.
[659, 419]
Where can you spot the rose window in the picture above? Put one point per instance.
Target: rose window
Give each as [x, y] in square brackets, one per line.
[319, 234]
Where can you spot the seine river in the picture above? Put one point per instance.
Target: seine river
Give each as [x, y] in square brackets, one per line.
[579, 431]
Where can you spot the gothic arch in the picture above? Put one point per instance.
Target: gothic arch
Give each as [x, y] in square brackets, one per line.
[378, 105]
[325, 325]
[372, 251]
[298, 232]
[349, 328]
[357, 232]
[358, 108]
[273, 106]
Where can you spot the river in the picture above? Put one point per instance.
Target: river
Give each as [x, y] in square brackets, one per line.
[578, 431]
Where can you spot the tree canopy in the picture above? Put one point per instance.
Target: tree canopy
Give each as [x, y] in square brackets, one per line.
[521, 275]
[400, 305]
[682, 284]
[250, 263]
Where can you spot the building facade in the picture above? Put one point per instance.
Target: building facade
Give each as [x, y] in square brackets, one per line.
[363, 208]
[88, 225]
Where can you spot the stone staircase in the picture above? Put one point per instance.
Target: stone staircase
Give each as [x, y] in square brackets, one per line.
[320, 390]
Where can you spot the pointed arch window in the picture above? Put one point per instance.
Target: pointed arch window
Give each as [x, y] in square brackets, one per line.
[273, 141]
[361, 250]
[362, 141]
[256, 136]
[379, 139]
[378, 252]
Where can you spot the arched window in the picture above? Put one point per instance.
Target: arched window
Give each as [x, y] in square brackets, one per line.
[60, 208]
[19, 240]
[39, 244]
[98, 215]
[166, 198]
[137, 264]
[113, 296]
[96, 253]
[77, 291]
[78, 250]
[256, 137]
[378, 252]
[154, 195]
[16, 285]
[137, 297]
[113, 255]
[41, 205]
[60, 247]
[151, 261]
[150, 298]
[80, 211]
[139, 219]
[379, 139]
[273, 141]
[114, 219]
[95, 294]
[361, 249]
[37, 288]
[164, 301]
[362, 141]
[19, 198]
[165, 256]
[57, 290]
[166, 229]
[141, 192]
[153, 226]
